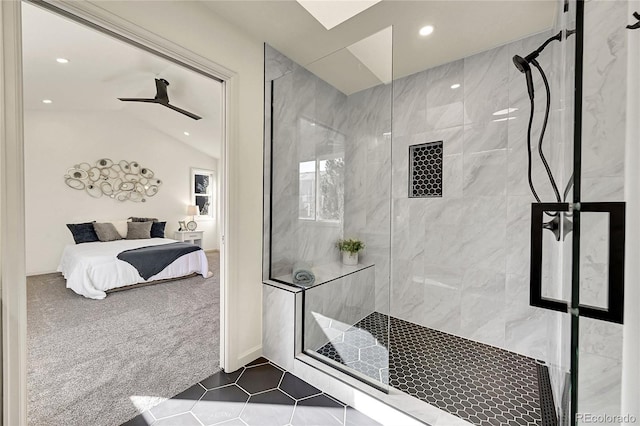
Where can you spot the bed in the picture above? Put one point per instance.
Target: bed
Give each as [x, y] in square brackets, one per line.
[91, 269]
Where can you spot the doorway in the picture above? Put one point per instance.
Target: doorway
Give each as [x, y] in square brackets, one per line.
[211, 224]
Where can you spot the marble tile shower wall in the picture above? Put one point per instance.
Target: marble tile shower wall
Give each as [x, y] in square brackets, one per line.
[461, 262]
[368, 182]
[304, 107]
[603, 157]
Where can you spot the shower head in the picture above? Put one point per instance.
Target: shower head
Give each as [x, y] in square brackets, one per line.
[523, 66]
[523, 63]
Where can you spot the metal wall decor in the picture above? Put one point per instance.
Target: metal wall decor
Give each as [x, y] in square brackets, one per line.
[122, 181]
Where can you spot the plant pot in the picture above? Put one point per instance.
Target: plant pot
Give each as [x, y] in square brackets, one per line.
[349, 258]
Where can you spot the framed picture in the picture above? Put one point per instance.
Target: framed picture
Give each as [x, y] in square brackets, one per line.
[203, 190]
[183, 226]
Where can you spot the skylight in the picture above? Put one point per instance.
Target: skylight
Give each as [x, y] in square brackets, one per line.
[333, 13]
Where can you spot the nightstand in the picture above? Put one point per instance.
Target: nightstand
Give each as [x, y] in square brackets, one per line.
[193, 237]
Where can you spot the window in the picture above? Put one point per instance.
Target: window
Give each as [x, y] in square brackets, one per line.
[203, 191]
[307, 190]
[321, 190]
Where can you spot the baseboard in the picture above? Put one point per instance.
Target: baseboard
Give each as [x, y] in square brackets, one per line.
[250, 355]
[33, 274]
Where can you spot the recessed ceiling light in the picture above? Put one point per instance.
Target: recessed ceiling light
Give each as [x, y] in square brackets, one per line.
[504, 119]
[455, 86]
[62, 60]
[47, 101]
[505, 111]
[187, 133]
[425, 31]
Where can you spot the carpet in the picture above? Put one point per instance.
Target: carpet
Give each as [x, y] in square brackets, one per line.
[101, 362]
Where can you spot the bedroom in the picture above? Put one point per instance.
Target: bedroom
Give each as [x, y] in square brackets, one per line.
[73, 118]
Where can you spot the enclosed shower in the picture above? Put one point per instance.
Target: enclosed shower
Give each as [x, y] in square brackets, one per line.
[452, 176]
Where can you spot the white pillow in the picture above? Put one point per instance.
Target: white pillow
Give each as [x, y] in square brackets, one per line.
[121, 227]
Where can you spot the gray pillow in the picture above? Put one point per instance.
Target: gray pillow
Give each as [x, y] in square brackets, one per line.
[143, 219]
[106, 232]
[138, 230]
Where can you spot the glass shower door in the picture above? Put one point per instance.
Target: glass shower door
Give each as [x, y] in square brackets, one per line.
[594, 210]
[600, 198]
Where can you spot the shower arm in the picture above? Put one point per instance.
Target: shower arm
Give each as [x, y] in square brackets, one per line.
[563, 34]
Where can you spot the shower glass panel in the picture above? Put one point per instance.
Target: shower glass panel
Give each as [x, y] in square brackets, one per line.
[603, 185]
[331, 180]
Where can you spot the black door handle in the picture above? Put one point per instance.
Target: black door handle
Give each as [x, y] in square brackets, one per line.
[535, 284]
[615, 305]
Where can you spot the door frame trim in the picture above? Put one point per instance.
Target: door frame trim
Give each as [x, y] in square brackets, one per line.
[12, 210]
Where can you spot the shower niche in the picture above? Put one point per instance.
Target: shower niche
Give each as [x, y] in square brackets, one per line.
[425, 170]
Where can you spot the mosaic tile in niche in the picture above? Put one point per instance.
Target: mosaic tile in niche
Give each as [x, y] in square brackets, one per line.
[425, 170]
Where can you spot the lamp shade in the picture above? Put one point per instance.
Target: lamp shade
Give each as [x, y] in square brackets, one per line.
[193, 210]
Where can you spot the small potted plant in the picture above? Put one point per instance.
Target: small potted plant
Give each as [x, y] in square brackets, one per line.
[350, 249]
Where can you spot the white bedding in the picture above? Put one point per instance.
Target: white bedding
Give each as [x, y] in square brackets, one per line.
[93, 268]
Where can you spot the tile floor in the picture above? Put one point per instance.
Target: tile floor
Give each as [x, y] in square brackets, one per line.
[479, 383]
[259, 394]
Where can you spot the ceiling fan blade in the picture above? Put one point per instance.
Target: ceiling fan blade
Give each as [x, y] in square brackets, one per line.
[182, 111]
[161, 90]
[162, 98]
[153, 101]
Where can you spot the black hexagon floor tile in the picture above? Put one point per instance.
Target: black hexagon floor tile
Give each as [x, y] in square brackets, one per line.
[318, 410]
[220, 404]
[356, 418]
[296, 387]
[221, 379]
[232, 422]
[260, 378]
[259, 361]
[144, 419]
[180, 403]
[269, 408]
[477, 382]
[293, 402]
[185, 419]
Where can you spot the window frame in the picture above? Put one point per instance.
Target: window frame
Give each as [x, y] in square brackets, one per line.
[317, 194]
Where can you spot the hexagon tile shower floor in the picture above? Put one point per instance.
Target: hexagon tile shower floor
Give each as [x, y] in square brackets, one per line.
[476, 382]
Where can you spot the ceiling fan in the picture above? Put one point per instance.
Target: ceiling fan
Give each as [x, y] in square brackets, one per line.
[162, 98]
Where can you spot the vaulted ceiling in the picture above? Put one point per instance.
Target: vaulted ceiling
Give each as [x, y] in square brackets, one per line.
[102, 69]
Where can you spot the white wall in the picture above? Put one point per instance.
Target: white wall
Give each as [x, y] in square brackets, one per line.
[56, 141]
[193, 26]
